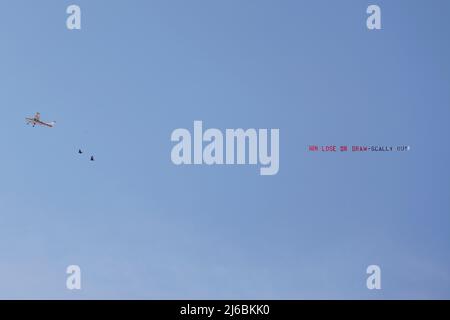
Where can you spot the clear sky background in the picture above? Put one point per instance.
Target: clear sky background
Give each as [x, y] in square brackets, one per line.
[141, 227]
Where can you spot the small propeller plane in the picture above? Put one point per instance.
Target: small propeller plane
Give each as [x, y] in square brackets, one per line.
[36, 120]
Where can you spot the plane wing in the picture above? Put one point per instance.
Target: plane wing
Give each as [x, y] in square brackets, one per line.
[36, 121]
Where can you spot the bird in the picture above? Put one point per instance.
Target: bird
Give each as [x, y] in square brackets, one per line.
[80, 152]
[92, 158]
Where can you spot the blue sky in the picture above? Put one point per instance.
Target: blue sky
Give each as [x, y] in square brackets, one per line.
[142, 228]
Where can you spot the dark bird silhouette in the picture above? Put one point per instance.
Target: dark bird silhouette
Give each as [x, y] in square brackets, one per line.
[92, 158]
[80, 152]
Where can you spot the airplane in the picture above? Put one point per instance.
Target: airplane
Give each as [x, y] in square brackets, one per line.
[36, 120]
